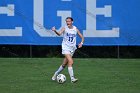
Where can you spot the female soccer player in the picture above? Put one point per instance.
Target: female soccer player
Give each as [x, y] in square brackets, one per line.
[68, 47]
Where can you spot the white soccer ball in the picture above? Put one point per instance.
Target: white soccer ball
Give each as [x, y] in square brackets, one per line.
[61, 78]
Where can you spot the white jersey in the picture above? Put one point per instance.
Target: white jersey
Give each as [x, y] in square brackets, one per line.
[69, 36]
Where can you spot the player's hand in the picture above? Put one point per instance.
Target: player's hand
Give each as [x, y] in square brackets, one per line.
[80, 45]
[53, 28]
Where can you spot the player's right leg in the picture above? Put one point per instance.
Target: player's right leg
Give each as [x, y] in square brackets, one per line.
[65, 62]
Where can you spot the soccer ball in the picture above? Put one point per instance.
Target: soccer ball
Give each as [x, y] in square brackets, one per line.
[61, 78]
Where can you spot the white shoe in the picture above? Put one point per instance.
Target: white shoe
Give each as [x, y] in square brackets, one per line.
[74, 80]
[54, 77]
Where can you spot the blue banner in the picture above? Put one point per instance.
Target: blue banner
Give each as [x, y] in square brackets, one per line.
[102, 22]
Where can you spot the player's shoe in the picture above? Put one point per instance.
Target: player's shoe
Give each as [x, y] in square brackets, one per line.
[74, 80]
[54, 77]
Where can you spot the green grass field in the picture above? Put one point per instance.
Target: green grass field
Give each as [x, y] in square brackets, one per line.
[23, 75]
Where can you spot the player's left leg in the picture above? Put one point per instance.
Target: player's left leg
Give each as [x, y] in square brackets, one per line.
[60, 69]
[70, 68]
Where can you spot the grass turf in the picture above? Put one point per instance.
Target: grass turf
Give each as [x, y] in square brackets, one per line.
[25, 75]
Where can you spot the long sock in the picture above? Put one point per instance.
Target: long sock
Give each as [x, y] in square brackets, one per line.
[70, 70]
[59, 70]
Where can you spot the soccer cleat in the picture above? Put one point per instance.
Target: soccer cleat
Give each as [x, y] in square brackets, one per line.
[74, 80]
[54, 77]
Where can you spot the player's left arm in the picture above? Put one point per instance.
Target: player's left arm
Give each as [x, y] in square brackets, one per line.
[81, 36]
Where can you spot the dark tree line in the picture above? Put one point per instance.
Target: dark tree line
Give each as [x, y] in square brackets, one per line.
[55, 51]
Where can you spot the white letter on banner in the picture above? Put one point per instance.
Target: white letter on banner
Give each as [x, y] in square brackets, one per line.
[91, 21]
[9, 10]
[39, 18]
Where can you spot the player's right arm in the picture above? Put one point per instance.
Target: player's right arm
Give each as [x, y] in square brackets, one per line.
[60, 32]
